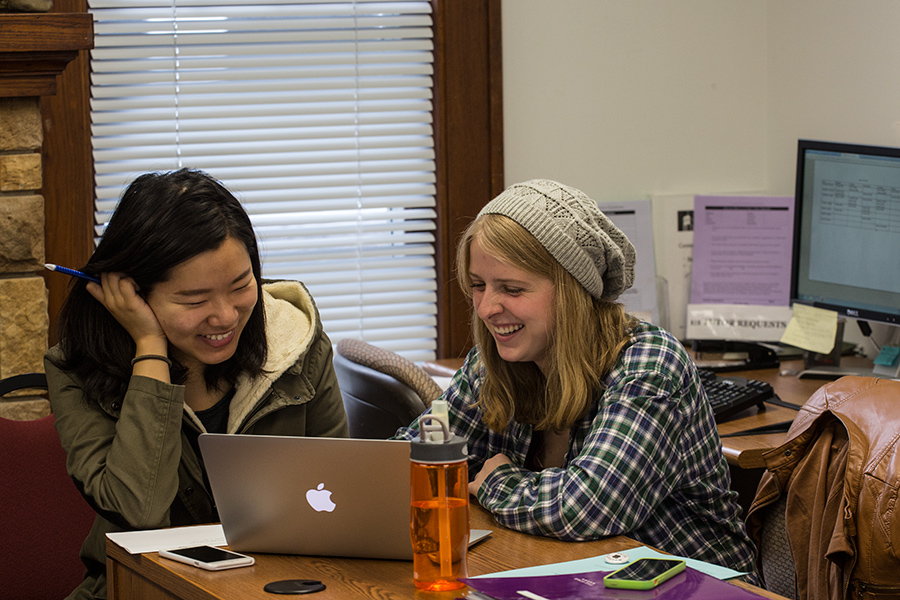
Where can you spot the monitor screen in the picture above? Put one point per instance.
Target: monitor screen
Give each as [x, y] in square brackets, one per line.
[847, 230]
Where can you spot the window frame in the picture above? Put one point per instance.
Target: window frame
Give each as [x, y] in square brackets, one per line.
[468, 124]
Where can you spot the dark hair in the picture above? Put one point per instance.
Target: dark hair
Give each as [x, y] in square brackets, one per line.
[162, 220]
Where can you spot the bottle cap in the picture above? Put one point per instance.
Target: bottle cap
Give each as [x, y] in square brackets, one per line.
[452, 450]
[437, 444]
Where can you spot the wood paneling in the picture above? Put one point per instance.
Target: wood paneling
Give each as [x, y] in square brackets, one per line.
[468, 118]
[36, 48]
[68, 171]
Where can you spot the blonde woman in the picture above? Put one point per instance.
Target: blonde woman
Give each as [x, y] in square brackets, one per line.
[582, 421]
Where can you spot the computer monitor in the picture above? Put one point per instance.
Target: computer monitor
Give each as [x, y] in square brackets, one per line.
[847, 233]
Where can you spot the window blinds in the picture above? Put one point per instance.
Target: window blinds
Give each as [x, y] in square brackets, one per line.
[317, 115]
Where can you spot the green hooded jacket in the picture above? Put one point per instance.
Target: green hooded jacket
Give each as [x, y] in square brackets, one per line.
[133, 458]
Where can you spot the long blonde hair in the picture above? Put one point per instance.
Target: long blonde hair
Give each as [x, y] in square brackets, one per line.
[589, 335]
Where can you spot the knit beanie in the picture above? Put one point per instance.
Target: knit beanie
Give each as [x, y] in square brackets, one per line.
[571, 227]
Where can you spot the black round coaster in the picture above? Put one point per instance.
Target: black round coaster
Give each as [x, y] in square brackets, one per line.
[294, 586]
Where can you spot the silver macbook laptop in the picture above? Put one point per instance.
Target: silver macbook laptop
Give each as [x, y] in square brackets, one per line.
[315, 496]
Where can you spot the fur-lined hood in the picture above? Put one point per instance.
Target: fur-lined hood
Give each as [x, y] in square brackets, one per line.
[292, 322]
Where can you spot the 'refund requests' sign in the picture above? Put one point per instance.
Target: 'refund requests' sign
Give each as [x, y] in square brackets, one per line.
[742, 322]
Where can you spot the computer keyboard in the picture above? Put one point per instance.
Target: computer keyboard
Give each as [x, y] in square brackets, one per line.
[731, 395]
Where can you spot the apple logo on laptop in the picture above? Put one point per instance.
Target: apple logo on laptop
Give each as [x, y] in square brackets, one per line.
[320, 499]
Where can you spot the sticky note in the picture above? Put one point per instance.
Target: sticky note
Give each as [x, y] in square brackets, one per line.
[888, 357]
[811, 328]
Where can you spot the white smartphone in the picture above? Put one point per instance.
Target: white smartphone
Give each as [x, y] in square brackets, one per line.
[208, 557]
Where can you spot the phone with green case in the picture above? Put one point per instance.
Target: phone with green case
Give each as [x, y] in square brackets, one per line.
[644, 573]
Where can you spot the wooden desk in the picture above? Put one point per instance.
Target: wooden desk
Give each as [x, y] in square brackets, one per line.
[747, 451]
[149, 577]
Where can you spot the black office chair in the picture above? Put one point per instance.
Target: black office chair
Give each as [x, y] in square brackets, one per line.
[776, 561]
[26, 381]
[43, 517]
[382, 391]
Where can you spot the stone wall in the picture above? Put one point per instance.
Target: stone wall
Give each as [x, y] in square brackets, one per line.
[23, 294]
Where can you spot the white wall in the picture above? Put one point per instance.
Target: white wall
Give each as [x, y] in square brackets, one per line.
[834, 74]
[629, 98]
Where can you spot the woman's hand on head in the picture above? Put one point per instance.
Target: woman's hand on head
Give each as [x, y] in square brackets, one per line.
[119, 294]
[486, 469]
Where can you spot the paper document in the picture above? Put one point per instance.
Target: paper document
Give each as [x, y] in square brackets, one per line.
[598, 563]
[633, 218]
[687, 585]
[154, 540]
[673, 243]
[742, 250]
[748, 323]
[812, 329]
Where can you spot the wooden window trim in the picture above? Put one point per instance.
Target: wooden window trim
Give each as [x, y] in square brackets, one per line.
[67, 171]
[469, 139]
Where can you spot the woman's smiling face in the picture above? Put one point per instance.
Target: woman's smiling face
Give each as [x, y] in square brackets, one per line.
[205, 304]
[515, 305]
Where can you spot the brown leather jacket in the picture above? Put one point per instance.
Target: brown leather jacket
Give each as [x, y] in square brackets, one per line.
[840, 469]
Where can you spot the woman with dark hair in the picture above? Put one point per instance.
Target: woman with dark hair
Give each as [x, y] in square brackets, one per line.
[180, 337]
[582, 422]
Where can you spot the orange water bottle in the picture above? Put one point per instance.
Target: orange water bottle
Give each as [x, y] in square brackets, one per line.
[439, 506]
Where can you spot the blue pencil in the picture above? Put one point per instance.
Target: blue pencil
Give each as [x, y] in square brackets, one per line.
[71, 272]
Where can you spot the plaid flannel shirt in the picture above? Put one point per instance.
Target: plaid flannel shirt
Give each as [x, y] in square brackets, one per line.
[645, 461]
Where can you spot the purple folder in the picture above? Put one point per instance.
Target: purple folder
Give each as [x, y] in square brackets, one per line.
[688, 585]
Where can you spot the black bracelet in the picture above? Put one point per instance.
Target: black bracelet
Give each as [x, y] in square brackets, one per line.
[165, 359]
